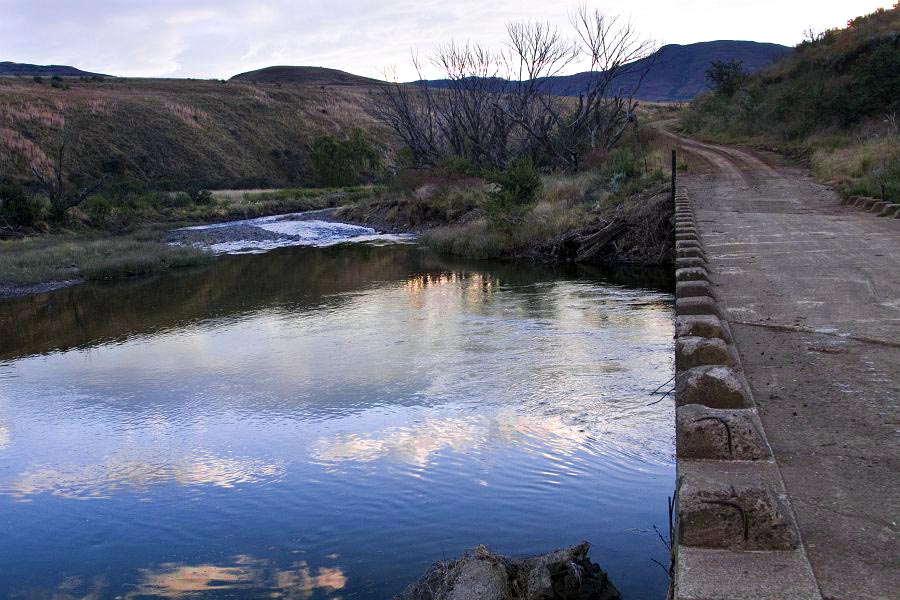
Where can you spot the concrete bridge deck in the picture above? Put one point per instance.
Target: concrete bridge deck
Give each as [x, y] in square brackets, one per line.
[808, 292]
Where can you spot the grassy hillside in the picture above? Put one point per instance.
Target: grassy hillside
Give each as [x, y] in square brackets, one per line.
[176, 133]
[834, 100]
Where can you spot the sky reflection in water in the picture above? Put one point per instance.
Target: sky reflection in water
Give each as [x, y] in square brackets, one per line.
[326, 422]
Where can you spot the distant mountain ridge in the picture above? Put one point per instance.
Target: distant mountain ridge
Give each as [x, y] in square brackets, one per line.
[304, 76]
[678, 72]
[13, 69]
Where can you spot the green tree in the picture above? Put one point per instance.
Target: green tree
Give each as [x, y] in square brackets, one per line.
[726, 78]
[339, 162]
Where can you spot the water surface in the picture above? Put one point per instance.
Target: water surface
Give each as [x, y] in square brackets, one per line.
[326, 422]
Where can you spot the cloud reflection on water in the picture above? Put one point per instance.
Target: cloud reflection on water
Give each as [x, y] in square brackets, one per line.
[243, 576]
[418, 443]
[96, 481]
[246, 576]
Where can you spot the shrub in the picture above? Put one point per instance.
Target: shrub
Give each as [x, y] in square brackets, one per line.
[458, 166]
[201, 196]
[726, 78]
[17, 209]
[517, 186]
[340, 163]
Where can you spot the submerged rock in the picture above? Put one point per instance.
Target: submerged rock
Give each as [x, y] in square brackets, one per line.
[566, 574]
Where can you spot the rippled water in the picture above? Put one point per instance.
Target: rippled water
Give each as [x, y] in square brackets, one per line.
[326, 422]
[254, 236]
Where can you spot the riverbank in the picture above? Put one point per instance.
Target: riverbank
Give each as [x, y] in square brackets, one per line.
[104, 241]
[612, 216]
[615, 213]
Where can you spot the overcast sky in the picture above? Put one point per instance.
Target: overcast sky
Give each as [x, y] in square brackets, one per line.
[219, 38]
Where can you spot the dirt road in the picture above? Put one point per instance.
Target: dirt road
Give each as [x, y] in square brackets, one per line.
[812, 291]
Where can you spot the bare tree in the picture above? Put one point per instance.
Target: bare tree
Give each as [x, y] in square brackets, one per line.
[620, 59]
[409, 109]
[494, 106]
[52, 181]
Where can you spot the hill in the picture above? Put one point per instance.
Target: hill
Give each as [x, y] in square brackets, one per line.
[677, 71]
[174, 133]
[304, 76]
[12, 69]
[833, 100]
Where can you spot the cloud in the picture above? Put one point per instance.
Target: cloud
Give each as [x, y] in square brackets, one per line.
[218, 38]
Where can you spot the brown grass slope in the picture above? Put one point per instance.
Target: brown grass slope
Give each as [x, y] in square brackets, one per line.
[173, 133]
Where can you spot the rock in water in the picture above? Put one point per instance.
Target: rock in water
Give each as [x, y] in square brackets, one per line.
[566, 574]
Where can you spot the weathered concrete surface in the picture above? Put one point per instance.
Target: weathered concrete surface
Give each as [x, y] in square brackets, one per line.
[811, 290]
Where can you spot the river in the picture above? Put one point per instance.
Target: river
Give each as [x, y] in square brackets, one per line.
[325, 422]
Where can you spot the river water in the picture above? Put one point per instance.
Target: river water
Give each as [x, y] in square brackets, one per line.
[326, 422]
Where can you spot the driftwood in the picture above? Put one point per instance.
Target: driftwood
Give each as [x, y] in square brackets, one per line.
[591, 244]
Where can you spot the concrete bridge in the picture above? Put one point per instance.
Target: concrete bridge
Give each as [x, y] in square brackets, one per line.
[787, 386]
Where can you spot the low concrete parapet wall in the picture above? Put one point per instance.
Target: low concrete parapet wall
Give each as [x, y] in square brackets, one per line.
[880, 208]
[735, 534]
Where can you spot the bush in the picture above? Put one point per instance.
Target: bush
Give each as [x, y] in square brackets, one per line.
[517, 186]
[458, 166]
[201, 197]
[339, 163]
[17, 209]
[726, 77]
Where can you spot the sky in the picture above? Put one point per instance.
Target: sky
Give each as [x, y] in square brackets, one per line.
[219, 38]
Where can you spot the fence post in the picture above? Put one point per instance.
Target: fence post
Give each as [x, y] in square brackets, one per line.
[674, 172]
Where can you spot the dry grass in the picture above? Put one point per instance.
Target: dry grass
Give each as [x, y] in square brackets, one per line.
[564, 204]
[862, 167]
[58, 258]
[220, 134]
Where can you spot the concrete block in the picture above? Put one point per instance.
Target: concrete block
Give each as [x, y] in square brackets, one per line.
[682, 235]
[867, 203]
[713, 386]
[877, 207]
[733, 505]
[850, 200]
[690, 253]
[692, 274]
[679, 245]
[696, 305]
[688, 289]
[706, 574]
[695, 351]
[689, 262]
[708, 326]
[688, 229]
[704, 433]
[890, 210]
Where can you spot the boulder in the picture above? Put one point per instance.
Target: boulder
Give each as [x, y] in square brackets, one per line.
[566, 574]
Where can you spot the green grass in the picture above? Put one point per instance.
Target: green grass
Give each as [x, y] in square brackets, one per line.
[66, 257]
